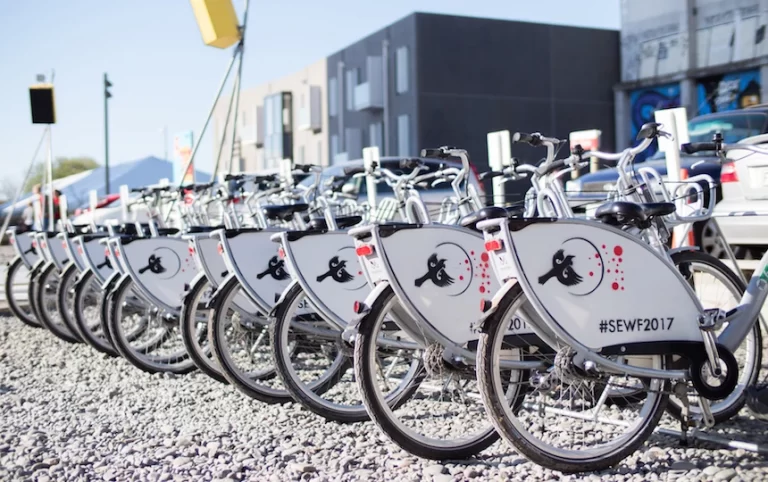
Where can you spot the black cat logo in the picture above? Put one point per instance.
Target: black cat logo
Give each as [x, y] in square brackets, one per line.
[337, 269]
[562, 269]
[31, 250]
[436, 273]
[275, 268]
[154, 265]
[104, 263]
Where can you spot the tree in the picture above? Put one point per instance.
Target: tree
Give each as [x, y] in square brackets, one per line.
[62, 167]
[8, 189]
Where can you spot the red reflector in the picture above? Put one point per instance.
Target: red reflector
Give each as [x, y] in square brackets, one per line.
[192, 250]
[358, 307]
[64, 244]
[364, 250]
[34, 244]
[220, 248]
[117, 252]
[106, 252]
[44, 245]
[485, 305]
[12, 241]
[728, 173]
[80, 250]
[494, 245]
[281, 253]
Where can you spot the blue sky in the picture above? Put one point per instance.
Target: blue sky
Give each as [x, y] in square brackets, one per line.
[164, 76]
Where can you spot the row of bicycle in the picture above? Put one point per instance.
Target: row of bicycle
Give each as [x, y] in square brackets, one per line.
[570, 338]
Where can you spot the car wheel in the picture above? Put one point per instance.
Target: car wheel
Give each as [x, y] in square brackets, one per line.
[706, 238]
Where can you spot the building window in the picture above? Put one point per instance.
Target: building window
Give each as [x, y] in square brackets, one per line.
[333, 101]
[334, 145]
[351, 83]
[375, 137]
[401, 70]
[403, 136]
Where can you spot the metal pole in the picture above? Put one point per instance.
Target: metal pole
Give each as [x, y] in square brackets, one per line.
[238, 86]
[223, 136]
[236, 95]
[106, 136]
[210, 112]
[52, 222]
[20, 190]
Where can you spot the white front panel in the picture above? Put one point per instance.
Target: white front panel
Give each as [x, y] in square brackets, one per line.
[162, 266]
[26, 247]
[98, 258]
[207, 253]
[444, 272]
[602, 287]
[252, 256]
[329, 268]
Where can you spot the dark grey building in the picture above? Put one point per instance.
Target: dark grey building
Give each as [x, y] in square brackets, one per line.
[430, 80]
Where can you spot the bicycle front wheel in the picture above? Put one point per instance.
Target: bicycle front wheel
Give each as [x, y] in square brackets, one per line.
[562, 421]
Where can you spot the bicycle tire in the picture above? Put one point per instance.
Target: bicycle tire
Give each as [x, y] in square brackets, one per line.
[66, 282]
[95, 338]
[489, 336]
[26, 316]
[309, 395]
[59, 330]
[365, 347]
[189, 334]
[217, 324]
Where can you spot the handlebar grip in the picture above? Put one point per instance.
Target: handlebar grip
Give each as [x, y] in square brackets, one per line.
[432, 153]
[532, 139]
[694, 147]
[137, 189]
[352, 170]
[489, 175]
[411, 163]
[233, 177]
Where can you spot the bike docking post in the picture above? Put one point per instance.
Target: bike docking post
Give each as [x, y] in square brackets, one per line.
[370, 158]
[499, 154]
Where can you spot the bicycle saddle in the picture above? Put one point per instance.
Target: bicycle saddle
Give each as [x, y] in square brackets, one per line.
[202, 229]
[490, 212]
[342, 222]
[283, 212]
[623, 213]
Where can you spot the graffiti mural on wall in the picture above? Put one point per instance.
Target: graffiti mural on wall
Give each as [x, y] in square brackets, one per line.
[729, 91]
[644, 102]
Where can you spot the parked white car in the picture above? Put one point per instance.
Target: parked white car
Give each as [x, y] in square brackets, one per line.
[743, 212]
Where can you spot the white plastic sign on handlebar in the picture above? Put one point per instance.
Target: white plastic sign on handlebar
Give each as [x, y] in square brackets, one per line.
[667, 117]
[93, 199]
[370, 155]
[125, 196]
[499, 154]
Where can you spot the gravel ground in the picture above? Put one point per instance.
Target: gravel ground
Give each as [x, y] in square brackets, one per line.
[68, 413]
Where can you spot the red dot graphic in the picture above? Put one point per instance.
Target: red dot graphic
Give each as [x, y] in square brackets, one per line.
[615, 286]
[461, 278]
[607, 271]
[467, 269]
[618, 251]
[484, 257]
[483, 275]
[622, 288]
[603, 246]
[613, 260]
[482, 289]
[466, 261]
[599, 264]
[486, 265]
[597, 255]
[620, 260]
[472, 253]
[622, 279]
[591, 273]
[359, 273]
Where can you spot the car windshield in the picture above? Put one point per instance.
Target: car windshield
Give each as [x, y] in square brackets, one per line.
[733, 127]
